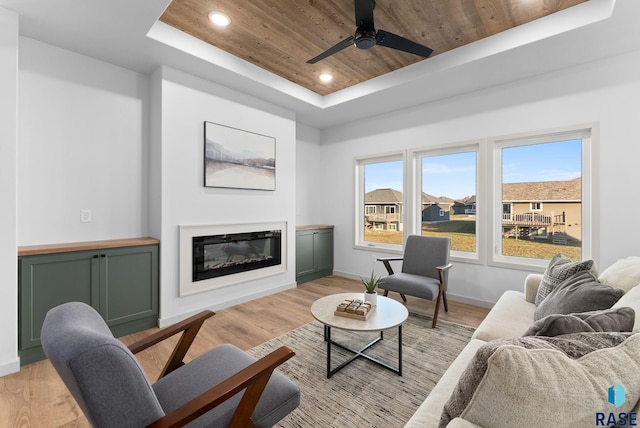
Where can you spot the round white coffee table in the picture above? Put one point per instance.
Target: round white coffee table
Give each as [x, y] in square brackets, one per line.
[387, 314]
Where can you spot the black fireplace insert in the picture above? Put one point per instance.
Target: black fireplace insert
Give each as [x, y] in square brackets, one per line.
[220, 255]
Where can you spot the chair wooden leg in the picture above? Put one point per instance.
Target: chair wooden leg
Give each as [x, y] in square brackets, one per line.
[404, 299]
[435, 312]
[386, 293]
[444, 300]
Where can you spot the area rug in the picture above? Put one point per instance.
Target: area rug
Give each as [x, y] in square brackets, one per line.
[364, 394]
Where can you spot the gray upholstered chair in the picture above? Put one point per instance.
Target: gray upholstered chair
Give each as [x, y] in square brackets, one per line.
[425, 271]
[110, 386]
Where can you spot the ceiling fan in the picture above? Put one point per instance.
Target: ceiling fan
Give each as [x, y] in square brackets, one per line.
[367, 37]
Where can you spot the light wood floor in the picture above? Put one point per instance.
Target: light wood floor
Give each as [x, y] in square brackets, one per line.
[36, 397]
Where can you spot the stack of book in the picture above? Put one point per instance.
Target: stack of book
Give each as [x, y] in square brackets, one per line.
[354, 308]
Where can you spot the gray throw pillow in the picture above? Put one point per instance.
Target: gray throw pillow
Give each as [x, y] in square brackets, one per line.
[580, 292]
[572, 345]
[614, 320]
[559, 269]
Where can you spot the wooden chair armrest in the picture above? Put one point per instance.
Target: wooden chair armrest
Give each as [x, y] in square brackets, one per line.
[441, 270]
[386, 261]
[444, 268]
[254, 378]
[189, 328]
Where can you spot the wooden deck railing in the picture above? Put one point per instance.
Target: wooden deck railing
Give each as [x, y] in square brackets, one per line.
[527, 219]
[380, 218]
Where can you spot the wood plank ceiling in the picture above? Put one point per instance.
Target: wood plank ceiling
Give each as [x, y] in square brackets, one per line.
[281, 35]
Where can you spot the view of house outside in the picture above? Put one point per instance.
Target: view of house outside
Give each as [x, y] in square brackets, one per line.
[541, 200]
[383, 202]
[452, 177]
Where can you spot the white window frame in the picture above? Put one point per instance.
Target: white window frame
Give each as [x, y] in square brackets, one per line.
[359, 211]
[532, 206]
[589, 199]
[414, 184]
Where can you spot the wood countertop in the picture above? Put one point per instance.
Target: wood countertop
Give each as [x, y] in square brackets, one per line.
[315, 226]
[32, 250]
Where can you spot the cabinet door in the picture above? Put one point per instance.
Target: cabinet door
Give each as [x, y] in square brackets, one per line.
[323, 249]
[305, 263]
[128, 284]
[49, 280]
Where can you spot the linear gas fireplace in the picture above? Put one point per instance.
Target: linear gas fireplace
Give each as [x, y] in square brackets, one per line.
[229, 253]
[213, 256]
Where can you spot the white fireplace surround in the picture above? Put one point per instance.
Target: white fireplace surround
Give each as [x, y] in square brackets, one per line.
[188, 232]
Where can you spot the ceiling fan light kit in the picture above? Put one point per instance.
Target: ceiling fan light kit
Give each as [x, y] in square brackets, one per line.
[367, 37]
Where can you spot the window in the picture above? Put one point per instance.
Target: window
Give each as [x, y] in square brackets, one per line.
[535, 193]
[447, 196]
[379, 202]
[542, 191]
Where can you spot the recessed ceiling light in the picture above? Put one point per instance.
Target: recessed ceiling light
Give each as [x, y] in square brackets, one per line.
[219, 18]
[326, 77]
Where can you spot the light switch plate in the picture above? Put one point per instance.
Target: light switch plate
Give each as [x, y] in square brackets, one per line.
[85, 216]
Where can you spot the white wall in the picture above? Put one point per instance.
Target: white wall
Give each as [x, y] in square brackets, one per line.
[82, 128]
[83, 145]
[186, 103]
[309, 169]
[605, 92]
[8, 191]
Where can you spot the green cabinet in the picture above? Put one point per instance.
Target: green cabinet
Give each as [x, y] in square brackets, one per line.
[121, 283]
[314, 253]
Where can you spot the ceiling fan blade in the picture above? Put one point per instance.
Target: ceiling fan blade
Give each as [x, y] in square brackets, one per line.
[393, 41]
[364, 11]
[337, 48]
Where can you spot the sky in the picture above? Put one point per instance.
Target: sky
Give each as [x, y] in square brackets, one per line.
[454, 175]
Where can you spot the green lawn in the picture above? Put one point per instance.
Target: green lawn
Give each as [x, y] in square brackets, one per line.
[463, 238]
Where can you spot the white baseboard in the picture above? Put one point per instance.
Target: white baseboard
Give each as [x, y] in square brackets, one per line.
[452, 297]
[10, 367]
[470, 301]
[166, 321]
[346, 275]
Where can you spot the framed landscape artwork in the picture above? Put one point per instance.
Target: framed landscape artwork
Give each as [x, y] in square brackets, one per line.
[238, 159]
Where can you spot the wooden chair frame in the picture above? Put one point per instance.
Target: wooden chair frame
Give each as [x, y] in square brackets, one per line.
[253, 378]
[442, 294]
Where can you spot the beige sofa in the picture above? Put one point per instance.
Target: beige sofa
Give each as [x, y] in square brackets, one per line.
[511, 316]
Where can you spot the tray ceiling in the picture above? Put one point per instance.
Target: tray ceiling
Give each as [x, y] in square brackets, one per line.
[280, 36]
